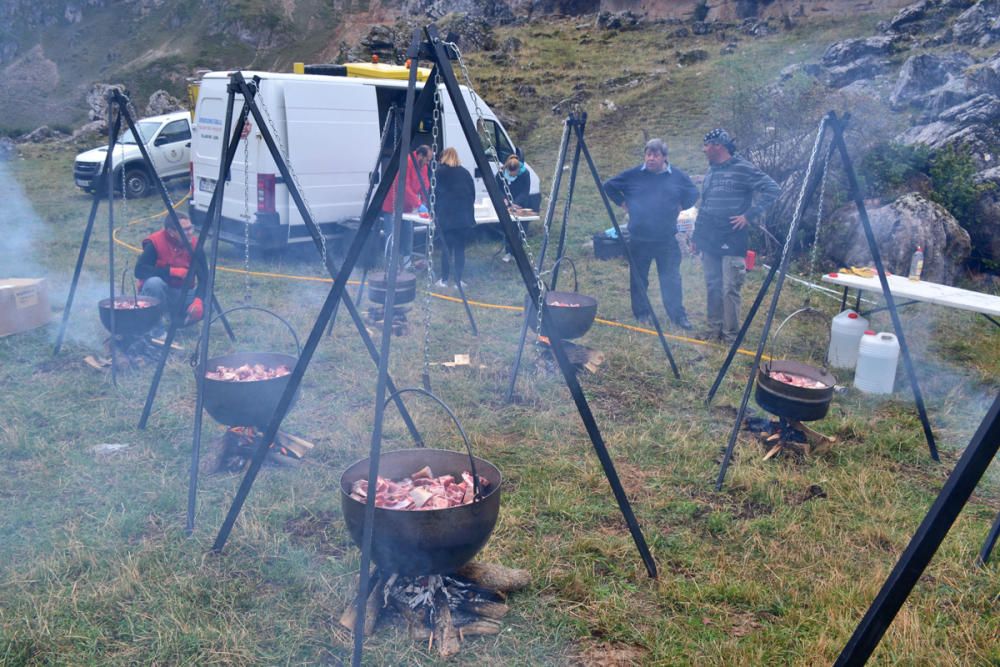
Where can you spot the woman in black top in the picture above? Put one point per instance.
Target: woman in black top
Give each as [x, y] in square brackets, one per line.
[454, 204]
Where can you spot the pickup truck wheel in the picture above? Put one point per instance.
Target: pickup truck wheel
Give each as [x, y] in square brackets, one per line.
[136, 184]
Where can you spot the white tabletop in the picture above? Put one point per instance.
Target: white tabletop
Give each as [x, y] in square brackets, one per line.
[921, 290]
[484, 212]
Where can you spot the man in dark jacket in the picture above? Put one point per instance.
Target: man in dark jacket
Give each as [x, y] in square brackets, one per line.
[653, 194]
[163, 266]
[733, 194]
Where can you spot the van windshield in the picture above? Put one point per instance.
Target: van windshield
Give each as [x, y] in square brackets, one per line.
[146, 130]
[490, 133]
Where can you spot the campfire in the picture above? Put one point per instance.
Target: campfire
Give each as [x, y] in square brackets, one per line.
[788, 436]
[441, 609]
[237, 445]
[400, 324]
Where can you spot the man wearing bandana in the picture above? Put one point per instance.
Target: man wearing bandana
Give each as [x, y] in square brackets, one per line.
[734, 194]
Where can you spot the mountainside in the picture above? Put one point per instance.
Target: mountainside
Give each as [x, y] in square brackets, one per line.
[52, 52]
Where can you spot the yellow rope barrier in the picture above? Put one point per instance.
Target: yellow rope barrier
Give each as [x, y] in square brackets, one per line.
[443, 297]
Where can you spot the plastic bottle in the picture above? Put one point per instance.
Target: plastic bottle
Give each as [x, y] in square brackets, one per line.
[917, 264]
[878, 354]
[846, 331]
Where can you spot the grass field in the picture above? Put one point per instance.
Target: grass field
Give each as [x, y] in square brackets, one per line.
[777, 568]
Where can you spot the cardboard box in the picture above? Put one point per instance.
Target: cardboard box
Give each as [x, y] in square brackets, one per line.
[24, 304]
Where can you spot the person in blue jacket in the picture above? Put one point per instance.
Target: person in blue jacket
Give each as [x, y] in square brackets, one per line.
[653, 194]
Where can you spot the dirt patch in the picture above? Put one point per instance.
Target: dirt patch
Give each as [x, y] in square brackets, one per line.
[601, 654]
[319, 530]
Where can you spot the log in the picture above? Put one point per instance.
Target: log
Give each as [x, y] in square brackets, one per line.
[496, 577]
[485, 608]
[372, 607]
[483, 626]
[445, 634]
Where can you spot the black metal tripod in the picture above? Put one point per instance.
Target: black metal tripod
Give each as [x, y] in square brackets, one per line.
[435, 50]
[118, 102]
[836, 126]
[239, 86]
[576, 124]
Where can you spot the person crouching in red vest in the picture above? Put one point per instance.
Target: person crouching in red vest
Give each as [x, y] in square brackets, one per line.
[163, 266]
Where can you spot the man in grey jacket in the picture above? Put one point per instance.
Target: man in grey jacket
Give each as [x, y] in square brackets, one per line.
[733, 194]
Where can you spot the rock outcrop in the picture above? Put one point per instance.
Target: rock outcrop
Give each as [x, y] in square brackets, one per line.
[899, 227]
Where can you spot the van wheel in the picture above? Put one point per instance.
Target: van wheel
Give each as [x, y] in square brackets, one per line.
[136, 184]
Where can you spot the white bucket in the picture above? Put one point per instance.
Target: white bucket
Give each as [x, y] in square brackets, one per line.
[846, 331]
[878, 354]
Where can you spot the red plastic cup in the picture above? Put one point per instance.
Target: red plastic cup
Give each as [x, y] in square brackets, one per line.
[750, 260]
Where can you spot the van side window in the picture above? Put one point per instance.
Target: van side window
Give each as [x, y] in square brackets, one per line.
[491, 132]
[178, 130]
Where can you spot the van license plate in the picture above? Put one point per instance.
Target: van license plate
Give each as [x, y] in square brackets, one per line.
[206, 184]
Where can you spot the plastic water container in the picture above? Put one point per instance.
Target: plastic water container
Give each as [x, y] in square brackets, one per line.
[878, 354]
[846, 331]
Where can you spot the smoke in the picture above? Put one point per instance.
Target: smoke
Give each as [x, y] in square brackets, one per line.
[32, 248]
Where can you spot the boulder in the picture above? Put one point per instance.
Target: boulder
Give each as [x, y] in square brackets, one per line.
[848, 51]
[922, 73]
[971, 127]
[866, 67]
[627, 20]
[978, 25]
[899, 227]
[40, 135]
[162, 102]
[986, 235]
[925, 17]
[475, 32]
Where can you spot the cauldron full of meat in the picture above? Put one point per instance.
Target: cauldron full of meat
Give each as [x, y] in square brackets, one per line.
[794, 403]
[378, 287]
[572, 318]
[134, 316]
[423, 542]
[249, 403]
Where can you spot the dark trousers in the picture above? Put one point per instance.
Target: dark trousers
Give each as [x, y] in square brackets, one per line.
[668, 268]
[454, 245]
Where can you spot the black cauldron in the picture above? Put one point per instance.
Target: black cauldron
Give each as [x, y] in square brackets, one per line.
[378, 286]
[567, 315]
[131, 321]
[794, 403]
[246, 403]
[413, 543]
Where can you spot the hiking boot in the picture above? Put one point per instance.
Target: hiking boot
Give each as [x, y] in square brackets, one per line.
[683, 322]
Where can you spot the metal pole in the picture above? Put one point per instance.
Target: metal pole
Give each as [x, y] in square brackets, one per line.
[524, 266]
[991, 540]
[214, 224]
[904, 348]
[112, 343]
[925, 542]
[786, 254]
[547, 223]
[561, 247]
[383, 368]
[85, 242]
[198, 251]
[628, 253]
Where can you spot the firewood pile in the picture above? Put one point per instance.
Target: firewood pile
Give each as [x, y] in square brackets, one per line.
[442, 610]
[400, 325]
[786, 436]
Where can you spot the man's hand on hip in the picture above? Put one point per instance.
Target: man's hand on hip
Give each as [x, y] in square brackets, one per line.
[739, 221]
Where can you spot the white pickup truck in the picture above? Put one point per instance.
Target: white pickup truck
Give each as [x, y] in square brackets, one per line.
[168, 141]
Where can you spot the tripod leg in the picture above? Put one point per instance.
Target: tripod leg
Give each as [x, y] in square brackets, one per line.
[991, 540]
[76, 273]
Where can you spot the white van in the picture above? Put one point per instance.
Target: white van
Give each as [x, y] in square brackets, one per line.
[167, 139]
[329, 127]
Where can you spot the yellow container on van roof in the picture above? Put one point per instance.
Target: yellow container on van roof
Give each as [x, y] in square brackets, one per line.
[383, 71]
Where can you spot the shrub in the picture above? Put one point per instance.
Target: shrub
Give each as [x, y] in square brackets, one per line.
[888, 167]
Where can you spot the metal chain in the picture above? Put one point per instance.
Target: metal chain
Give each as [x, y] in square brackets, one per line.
[797, 215]
[246, 219]
[295, 179]
[819, 214]
[506, 188]
[432, 224]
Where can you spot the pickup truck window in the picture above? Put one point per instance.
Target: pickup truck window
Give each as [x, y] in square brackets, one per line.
[146, 130]
[178, 130]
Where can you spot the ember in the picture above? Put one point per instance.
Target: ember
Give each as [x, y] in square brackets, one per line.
[247, 373]
[129, 304]
[420, 491]
[797, 380]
